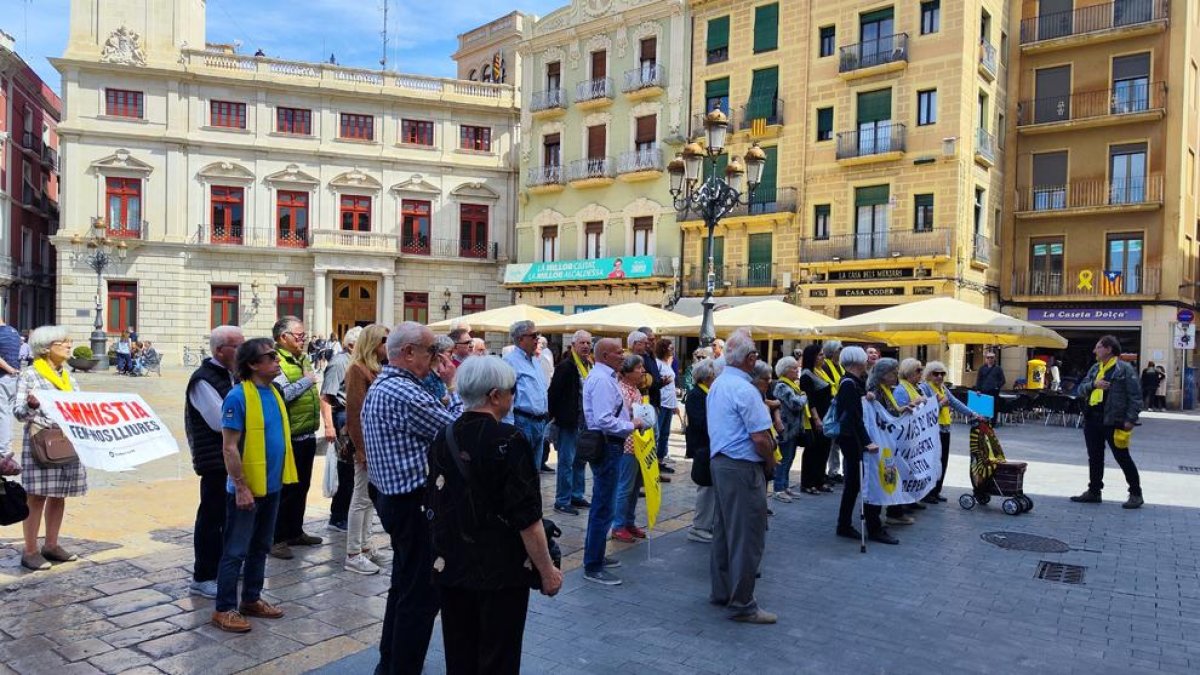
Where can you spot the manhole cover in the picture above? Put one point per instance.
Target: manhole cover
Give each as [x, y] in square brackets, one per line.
[1060, 572]
[1020, 541]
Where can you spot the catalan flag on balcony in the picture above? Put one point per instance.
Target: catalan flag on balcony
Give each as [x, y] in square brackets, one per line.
[758, 127]
[1112, 283]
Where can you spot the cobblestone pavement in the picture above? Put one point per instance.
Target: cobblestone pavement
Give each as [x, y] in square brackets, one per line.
[944, 600]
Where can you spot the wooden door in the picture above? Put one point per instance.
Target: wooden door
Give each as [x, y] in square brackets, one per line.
[354, 304]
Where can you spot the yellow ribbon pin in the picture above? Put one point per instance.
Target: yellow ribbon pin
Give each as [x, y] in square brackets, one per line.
[1085, 280]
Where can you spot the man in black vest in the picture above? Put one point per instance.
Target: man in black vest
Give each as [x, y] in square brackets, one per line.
[206, 392]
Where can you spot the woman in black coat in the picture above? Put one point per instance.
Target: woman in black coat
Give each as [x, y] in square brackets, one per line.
[697, 450]
[854, 440]
[820, 397]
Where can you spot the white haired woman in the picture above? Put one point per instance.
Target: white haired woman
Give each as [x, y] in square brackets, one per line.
[934, 386]
[854, 441]
[47, 486]
[797, 421]
[487, 525]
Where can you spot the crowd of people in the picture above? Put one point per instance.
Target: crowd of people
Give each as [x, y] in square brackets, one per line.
[445, 444]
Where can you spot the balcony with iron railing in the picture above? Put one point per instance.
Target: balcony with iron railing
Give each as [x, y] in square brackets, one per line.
[50, 158]
[548, 103]
[981, 251]
[547, 178]
[985, 148]
[873, 57]
[878, 245]
[591, 172]
[1087, 196]
[696, 130]
[767, 111]
[883, 142]
[987, 60]
[1125, 103]
[638, 165]
[752, 275]
[448, 248]
[132, 229]
[237, 235]
[1087, 282]
[595, 93]
[380, 242]
[32, 142]
[645, 81]
[1110, 21]
[766, 200]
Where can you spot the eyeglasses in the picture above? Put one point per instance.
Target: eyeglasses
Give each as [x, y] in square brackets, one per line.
[267, 355]
[299, 337]
[938, 373]
[533, 335]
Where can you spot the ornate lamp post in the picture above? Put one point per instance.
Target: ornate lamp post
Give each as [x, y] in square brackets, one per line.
[101, 251]
[716, 196]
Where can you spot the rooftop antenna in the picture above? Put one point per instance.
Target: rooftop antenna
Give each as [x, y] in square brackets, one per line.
[383, 61]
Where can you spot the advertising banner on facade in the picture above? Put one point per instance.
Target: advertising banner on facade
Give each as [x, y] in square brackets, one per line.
[909, 460]
[598, 269]
[110, 432]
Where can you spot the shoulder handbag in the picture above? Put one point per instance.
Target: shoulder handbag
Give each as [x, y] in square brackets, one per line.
[13, 508]
[590, 445]
[50, 447]
[831, 424]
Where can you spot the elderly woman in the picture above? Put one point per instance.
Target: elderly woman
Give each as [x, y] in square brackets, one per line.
[442, 344]
[47, 487]
[488, 536]
[367, 359]
[697, 450]
[813, 476]
[911, 371]
[882, 384]
[934, 386]
[629, 377]
[664, 354]
[854, 441]
[797, 420]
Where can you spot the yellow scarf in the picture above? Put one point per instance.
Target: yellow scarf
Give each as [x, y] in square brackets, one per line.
[834, 379]
[888, 392]
[943, 414]
[796, 388]
[913, 394]
[1097, 396]
[581, 365]
[60, 382]
[703, 388]
[254, 443]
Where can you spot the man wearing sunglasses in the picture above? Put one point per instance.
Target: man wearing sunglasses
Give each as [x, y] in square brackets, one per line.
[300, 392]
[530, 412]
[462, 345]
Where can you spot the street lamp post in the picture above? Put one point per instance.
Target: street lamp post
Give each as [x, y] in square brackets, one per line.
[714, 197]
[102, 251]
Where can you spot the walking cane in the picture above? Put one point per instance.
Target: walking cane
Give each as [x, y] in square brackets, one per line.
[862, 508]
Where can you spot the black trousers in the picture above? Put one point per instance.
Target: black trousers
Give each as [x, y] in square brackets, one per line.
[852, 470]
[814, 459]
[208, 535]
[412, 601]
[945, 438]
[339, 506]
[482, 630]
[1095, 435]
[289, 524]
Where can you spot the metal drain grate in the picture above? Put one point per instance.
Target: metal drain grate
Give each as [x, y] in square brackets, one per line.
[1020, 541]
[1189, 469]
[1060, 572]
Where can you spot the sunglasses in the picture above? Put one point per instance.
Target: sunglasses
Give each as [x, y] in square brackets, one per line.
[267, 355]
[938, 373]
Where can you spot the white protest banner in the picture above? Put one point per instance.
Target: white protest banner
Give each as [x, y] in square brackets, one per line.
[909, 460]
[110, 432]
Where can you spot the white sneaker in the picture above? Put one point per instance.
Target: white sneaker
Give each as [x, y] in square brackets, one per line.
[360, 564]
[205, 589]
[782, 496]
[700, 536]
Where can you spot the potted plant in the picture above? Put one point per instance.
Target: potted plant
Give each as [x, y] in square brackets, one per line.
[82, 359]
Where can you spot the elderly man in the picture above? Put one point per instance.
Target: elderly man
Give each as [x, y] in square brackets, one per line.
[400, 420]
[831, 371]
[742, 452]
[696, 434]
[206, 391]
[299, 385]
[872, 357]
[990, 380]
[605, 413]
[333, 419]
[640, 343]
[478, 347]
[462, 345]
[566, 410]
[530, 412]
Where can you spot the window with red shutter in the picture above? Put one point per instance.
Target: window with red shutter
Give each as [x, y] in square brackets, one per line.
[473, 230]
[357, 127]
[414, 226]
[472, 304]
[475, 138]
[416, 307]
[416, 132]
[227, 114]
[356, 213]
[223, 306]
[123, 103]
[293, 121]
[289, 302]
[227, 210]
[122, 305]
[124, 197]
[291, 214]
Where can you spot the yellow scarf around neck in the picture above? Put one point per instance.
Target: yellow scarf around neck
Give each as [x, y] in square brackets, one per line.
[944, 418]
[1097, 396]
[61, 382]
[887, 391]
[796, 388]
[254, 443]
[913, 393]
[703, 388]
[581, 365]
[831, 373]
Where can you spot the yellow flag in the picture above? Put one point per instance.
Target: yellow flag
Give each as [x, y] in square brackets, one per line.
[644, 450]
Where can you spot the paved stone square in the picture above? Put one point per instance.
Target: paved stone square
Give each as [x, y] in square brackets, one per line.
[944, 600]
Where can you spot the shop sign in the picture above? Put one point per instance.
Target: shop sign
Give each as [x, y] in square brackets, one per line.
[923, 290]
[870, 292]
[1086, 314]
[814, 293]
[599, 269]
[883, 274]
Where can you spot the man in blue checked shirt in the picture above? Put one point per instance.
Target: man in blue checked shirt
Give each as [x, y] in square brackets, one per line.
[400, 420]
[530, 411]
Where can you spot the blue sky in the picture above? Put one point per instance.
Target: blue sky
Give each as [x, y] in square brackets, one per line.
[423, 33]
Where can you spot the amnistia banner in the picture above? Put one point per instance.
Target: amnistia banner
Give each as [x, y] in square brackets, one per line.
[110, 432]
[909, 460]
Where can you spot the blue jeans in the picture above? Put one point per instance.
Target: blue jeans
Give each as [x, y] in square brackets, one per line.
[787, 447]
[123, 362]
[570, 473]
[604, 503]
[534, 432]
[627, 491]
[248, 537]
[662, 431]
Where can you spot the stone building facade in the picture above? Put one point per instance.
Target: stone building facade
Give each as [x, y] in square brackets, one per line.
[246, 187]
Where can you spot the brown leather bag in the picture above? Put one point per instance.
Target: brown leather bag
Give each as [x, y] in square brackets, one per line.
[51, 447]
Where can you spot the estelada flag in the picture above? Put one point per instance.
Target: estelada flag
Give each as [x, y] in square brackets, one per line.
[1112, 283]
[644, 449]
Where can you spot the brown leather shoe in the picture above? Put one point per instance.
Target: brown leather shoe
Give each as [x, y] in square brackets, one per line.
[282, 551]
[231, 622]
[305, 539]
[261, 609]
